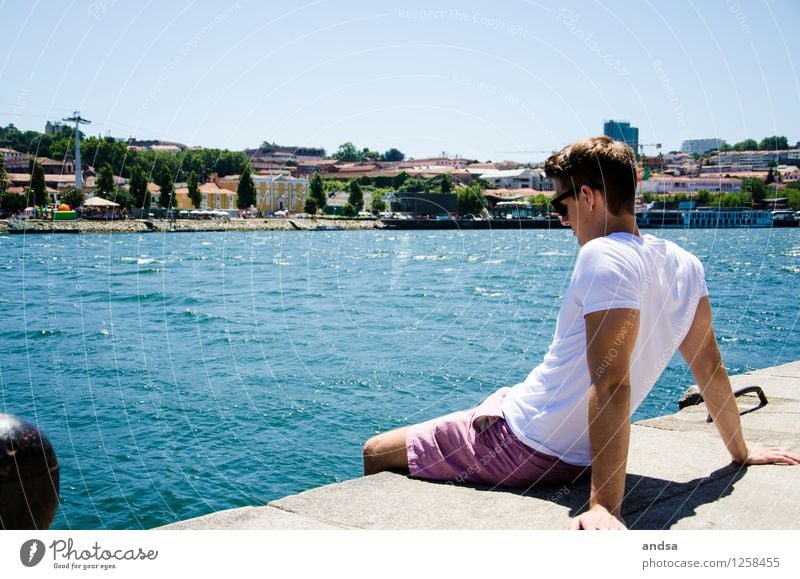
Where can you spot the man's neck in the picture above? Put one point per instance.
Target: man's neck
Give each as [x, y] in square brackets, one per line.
[620, 224]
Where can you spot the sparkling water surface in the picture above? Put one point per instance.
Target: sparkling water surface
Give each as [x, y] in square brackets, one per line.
[180, 374]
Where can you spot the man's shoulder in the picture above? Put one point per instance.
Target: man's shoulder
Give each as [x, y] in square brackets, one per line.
[680, 252]
[614, 245]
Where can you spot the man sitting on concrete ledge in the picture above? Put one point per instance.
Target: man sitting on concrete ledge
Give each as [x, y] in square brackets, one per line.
[633, 300]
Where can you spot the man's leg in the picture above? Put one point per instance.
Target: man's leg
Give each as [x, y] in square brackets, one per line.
[386, 451]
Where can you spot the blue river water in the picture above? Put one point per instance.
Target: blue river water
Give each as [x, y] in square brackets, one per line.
[179, 374]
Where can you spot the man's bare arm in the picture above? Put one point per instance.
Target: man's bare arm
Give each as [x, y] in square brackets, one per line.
[701, 353]
[610, 336]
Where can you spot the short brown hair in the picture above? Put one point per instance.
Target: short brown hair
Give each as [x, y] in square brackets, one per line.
[602, 163]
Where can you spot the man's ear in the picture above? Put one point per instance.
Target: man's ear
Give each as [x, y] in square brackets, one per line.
[591, 196]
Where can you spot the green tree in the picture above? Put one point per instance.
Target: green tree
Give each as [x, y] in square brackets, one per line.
[774, 143]
[356, 197]
[393, 156]
[245, 191]
[541, 200]
[349, 211]
[414, 185]
[167, 185]
[399, 180]
[378, 202]
[310, 206]
[10, 203]
[445, 183]
[97, 151]
[316, 191]
[106, 187]
[72, 197]
[792, 192]
[371, 155]
[123, 197]
[230, 163]
[731, 200]
[470, 200]
[38, 189]
[746, 145]
[3, 174]
[194, 191]
[138, 188]
[755, 189]
[347, 152]
[703, 197]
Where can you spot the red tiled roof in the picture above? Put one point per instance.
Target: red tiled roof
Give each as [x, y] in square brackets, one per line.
[322, 163]
[505, 194]
[47, 161]
[25, 177]
[351, 168]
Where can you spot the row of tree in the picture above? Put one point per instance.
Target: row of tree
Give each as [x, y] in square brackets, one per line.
[98, 151]
[347, 152]
[773, 143]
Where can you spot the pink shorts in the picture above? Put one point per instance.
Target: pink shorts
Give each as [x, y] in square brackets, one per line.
[477, 446]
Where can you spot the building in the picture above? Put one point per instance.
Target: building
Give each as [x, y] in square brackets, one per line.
[431, 204]
[518, 179]
[337, 201]
[214, 197]
[52, 128]
[701, 146]
[622, 131]
[156, 145]
[308, 168]
[14, 161]
[495, 196]
[172, 149]
[453, 163]
[53, 167]
[670, 184]
[276, 192]
[292, 152]
[755, 159]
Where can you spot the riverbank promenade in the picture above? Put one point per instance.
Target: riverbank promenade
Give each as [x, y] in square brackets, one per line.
[679, 477]
[38, 226]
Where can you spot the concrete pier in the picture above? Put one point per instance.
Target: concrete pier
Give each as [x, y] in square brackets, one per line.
[679, 477]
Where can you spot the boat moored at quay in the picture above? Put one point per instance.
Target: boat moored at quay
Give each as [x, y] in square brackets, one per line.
[704, 218]
[785, 218]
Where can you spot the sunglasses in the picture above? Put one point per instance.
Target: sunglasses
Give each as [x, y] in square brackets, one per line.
[560, 208]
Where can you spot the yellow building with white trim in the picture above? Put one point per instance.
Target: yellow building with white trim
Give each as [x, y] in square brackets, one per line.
[275, 192]
[214, 198]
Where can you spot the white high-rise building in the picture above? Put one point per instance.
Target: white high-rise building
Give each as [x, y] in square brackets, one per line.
[701, 146]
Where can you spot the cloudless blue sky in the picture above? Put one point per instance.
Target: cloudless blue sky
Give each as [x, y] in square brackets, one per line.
[500, 80]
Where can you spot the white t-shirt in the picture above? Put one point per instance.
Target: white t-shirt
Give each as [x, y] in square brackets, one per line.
[549, 410]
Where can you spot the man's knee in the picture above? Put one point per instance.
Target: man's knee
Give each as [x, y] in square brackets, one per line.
[375, 448]
[371, 447]
[372, 455]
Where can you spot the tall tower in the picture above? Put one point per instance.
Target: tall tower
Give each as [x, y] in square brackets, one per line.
[622, 131]
[76, 118]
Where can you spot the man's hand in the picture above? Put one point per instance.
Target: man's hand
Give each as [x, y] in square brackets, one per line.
[771, 456]
[597, 519]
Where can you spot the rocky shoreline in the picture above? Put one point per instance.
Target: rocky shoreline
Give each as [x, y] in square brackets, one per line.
[185, 225]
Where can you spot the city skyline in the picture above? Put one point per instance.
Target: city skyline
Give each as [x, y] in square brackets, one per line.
[513, 82]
